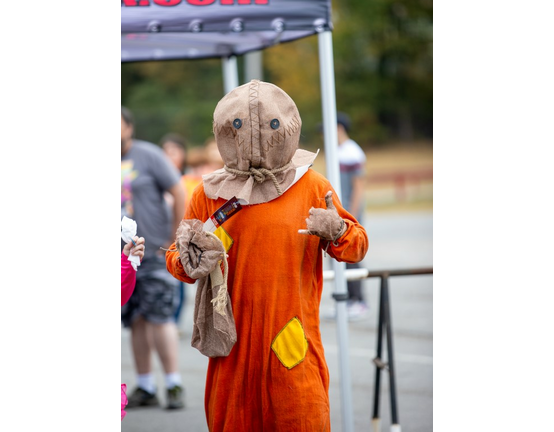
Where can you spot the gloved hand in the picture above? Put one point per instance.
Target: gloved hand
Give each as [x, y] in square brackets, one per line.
[325, 223]
[199, 252]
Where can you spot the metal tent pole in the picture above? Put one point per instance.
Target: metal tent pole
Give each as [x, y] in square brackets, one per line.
[328, 101]
[230, 73]
[253, 66]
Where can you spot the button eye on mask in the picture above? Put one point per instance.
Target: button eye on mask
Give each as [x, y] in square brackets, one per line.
[237, 123]
[274, 124]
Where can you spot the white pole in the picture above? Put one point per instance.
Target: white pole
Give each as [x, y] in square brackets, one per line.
[349, 274]
[327, 72]
[230, 73]
[253, 66]
[376, 425]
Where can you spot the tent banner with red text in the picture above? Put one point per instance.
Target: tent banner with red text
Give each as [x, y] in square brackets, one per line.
[189, 29]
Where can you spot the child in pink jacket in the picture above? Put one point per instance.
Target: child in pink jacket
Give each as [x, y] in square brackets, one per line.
[128, 279]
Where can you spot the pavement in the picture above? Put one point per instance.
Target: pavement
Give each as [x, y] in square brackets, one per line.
[397, 241]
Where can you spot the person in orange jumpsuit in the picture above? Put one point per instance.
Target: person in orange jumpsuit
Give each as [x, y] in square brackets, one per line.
[275, 377]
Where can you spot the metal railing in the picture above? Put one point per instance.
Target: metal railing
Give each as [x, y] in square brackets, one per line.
[384, 328]
[401, 179]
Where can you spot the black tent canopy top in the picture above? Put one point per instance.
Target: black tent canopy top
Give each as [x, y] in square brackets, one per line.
[189, 29]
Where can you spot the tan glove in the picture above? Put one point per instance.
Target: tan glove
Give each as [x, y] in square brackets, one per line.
[325, 223]
[199, 252]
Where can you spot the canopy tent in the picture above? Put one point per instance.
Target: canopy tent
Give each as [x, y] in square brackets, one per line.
[193, 29]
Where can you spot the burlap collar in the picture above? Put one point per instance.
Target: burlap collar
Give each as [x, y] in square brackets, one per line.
[254, 189]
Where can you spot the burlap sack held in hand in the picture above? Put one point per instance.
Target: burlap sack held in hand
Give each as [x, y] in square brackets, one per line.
[199, 252]
[214, 332]
[325, 223]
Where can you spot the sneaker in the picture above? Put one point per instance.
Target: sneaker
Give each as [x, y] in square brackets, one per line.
[141, 398]
[357, 310]
[175, 398]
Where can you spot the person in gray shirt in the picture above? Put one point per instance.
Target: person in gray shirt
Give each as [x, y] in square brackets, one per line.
[146, 174]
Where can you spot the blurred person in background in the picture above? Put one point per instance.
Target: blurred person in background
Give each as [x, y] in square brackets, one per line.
[146, 173]
[214, 159]
[196, 160]
[175, 147]
[192, 163]
[202, 160]
[352, 161]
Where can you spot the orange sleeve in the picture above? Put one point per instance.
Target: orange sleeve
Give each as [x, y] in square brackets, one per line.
[172, 258]
[175, 267]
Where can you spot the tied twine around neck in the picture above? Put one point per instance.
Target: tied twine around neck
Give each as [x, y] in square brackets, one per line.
[259, 174]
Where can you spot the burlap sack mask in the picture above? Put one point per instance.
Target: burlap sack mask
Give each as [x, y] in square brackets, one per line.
[257, 129]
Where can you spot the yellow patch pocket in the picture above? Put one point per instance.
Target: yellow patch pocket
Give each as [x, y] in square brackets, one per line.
[225, 238]
[290, 345]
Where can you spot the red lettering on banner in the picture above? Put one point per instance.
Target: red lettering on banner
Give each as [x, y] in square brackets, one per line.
[167, 2]
[243, 2]
[134, 3]
[200, 2]
[191, 2]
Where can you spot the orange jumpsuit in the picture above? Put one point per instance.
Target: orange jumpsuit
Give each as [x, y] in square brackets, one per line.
[276, 377]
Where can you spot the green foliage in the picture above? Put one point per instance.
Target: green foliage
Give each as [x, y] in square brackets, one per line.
[172, 96]
[383, 67]
[383, 56]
